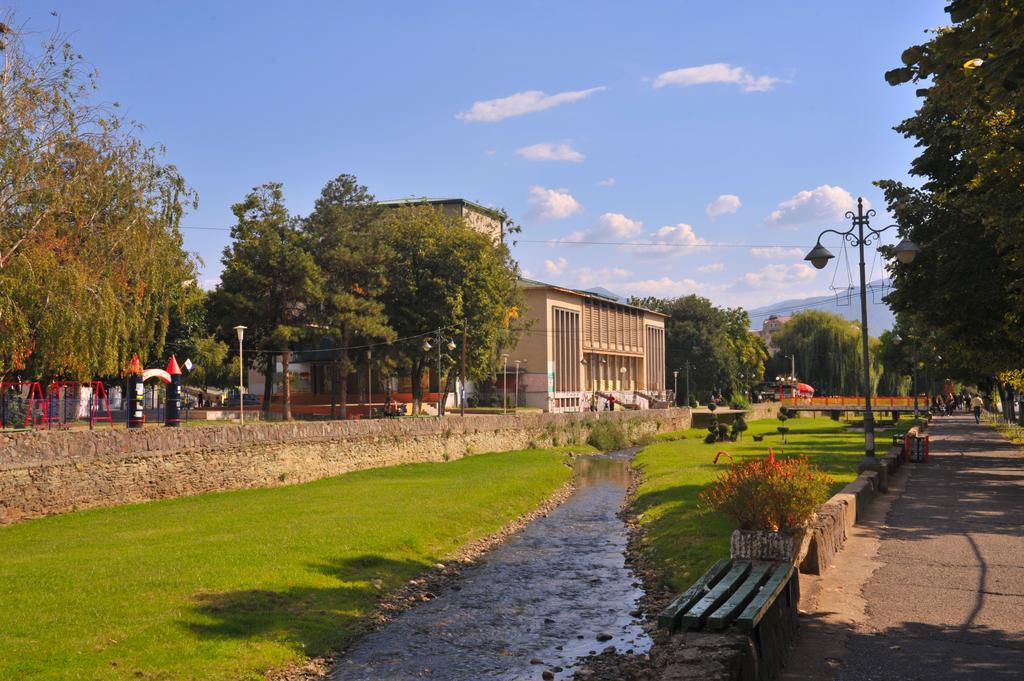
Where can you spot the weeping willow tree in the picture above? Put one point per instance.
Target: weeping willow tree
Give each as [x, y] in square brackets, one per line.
[828, 353]
[90, 250]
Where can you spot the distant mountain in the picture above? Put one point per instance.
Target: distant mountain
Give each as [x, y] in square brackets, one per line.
[845, 303]
[605, 293]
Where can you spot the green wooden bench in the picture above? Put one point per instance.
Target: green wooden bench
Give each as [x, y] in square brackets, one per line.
[757, 599]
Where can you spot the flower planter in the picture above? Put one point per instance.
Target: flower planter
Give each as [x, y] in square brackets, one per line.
[766, 545]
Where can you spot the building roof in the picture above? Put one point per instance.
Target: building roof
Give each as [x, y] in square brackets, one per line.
[492, 212]
[533, 283]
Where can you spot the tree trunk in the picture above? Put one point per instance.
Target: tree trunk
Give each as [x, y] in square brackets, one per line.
[334, 390]
[416, 375]
[268, 387]
[443, 401]
[286, 382]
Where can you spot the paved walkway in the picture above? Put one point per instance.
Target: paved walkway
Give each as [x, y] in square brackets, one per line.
[932, 587]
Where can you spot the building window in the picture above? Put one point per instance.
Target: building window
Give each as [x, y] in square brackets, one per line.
[655, 358]
[566, 349]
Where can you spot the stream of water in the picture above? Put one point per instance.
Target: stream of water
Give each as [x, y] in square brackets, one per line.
[537, 602]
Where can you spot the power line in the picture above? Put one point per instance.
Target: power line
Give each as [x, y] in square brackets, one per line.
[657, 244]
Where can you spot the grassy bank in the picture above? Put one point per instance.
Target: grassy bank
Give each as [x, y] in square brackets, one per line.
[229, 585]
[680, 540]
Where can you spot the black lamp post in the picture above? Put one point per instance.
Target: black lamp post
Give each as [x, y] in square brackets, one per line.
[905, 251]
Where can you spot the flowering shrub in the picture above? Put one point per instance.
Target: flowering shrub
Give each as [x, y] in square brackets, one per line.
[773, 494]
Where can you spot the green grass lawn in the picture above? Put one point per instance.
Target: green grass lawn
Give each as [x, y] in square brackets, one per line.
[229, 585]
[681, 540]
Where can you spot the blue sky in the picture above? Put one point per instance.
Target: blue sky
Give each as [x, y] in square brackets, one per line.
[704, 125]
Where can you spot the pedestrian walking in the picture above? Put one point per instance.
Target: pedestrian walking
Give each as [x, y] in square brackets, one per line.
[976, 404]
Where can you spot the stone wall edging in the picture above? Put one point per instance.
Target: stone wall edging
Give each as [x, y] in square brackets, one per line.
[833, 521]
[54, 472]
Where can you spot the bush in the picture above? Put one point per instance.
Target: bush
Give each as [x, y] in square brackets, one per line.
[739, 425]
[607, 436]
[782, 431]
[739, 401]
[780, 495]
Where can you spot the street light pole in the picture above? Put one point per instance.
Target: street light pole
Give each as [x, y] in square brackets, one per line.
[906, 250]
[240, 330]
[675, 387]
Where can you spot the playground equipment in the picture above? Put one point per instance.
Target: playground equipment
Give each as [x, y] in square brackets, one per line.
[136, 392]
[71, 401]
[22, 402]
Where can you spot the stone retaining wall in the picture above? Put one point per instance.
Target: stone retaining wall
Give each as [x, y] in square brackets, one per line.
[831, 525]
[47, 472]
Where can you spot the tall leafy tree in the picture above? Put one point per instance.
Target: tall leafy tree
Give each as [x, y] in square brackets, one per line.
[827, 351]
[348, 243]
[444, 275]
[967, 286]
[268, 284]
[91, 256]
[724, 355]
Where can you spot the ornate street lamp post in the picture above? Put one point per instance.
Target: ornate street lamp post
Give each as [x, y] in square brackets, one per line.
[905, 251]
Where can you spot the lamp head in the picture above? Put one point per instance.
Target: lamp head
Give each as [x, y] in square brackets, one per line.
[426, 345]
[905, 251]
[240, 330]
[819, 256]
[451, 345]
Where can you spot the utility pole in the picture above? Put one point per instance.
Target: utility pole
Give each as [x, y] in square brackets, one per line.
[369, 384]
[462, 397]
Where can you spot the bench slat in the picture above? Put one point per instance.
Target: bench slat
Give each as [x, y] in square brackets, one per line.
[757, 608]
[670, 616]
[722, 617]
[695, 616]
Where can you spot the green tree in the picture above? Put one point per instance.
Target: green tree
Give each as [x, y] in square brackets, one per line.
[724, 355]
[347, 239]
[91, 256]
[268, 283]
[445, 275]
[827, 349]
[967, 215]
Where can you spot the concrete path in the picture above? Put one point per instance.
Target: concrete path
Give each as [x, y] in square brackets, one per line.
[932, 586]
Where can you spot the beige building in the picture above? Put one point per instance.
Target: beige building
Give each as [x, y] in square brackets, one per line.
[769, 328]
[583, 348]
[481, 218]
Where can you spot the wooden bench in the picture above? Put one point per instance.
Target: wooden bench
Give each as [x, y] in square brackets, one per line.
[757, 598]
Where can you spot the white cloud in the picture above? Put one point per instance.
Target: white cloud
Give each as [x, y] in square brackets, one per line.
[716, 73]
[552, 204]
[550, 152]
[713, 267]
[822, 204]
[609, 227]
[519, 104]
[663, 287]
[607, 182]
[776, 252]
[726, 203]
[587, 276]
[612, 226]
[773, 275]
[554, 268]
[678, 239]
